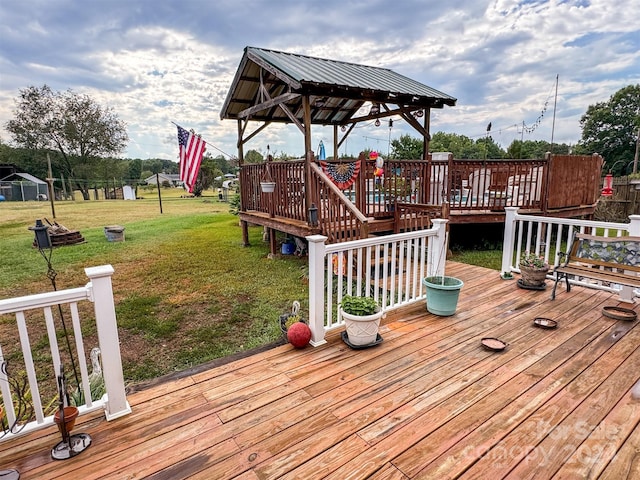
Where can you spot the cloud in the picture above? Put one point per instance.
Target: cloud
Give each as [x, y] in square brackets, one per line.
[160, 62]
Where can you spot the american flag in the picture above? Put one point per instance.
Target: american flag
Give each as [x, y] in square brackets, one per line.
[192, 148]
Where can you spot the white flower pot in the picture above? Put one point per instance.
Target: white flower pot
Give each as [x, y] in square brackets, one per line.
[362, 330]
[268, 187]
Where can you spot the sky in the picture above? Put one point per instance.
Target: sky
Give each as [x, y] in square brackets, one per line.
[531, 68]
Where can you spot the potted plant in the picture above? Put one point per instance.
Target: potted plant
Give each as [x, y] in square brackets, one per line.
[362, 318]
[442, 294]
[288, 319]
[533, 269]
[267, 184]
[70, 415]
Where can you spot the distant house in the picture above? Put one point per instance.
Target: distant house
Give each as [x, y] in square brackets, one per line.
[21, 187]
[172, 178]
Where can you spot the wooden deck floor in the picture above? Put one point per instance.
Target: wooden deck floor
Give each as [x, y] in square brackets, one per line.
[428, 402]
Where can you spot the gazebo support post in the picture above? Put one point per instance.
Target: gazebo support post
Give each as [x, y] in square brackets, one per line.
[307, 152]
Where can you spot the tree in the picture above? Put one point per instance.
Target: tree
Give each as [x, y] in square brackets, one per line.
[208, 172]
[407, 148]
[253, 156]
[535, 149]
[611, 128]
[72, 124]
[135, 170]
[462, 146]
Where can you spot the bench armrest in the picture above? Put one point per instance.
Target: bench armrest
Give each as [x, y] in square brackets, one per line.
[562, 255]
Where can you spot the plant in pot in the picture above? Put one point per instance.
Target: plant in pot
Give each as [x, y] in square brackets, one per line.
[288, 319]
[442, 294]
[267, 184]
[362, 319]
[533, 270]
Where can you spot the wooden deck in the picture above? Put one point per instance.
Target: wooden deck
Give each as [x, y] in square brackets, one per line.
[429, 402]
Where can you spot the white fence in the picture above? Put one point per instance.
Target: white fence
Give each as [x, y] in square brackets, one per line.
[546, 236]
[31, 309]
[388, 268]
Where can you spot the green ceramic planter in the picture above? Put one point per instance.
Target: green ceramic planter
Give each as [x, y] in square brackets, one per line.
[442, 294]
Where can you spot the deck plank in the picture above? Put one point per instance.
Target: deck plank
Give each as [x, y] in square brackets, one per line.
[593, 454]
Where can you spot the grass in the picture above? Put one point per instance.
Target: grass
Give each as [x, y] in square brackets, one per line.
[482, 258]
[185, 288]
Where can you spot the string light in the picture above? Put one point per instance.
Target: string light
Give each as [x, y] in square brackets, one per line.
[531, 128]
[527, 128]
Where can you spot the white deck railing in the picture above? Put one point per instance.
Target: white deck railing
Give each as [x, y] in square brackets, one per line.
[546, 236]
[37, 308]
[389, 268]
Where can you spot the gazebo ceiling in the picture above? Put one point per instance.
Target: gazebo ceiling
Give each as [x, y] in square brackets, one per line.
[270, 86]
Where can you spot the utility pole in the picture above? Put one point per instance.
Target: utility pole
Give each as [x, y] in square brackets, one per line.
[52, 192]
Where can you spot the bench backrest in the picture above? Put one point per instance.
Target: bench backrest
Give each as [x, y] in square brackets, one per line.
[605, 251]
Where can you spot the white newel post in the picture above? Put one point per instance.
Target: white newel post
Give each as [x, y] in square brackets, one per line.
[634, 225]
[509, 239]
[316, 288]
[438, 257]
[627, 293]
[102, 293]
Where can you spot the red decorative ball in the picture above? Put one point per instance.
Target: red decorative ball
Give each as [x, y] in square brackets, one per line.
[299, 334]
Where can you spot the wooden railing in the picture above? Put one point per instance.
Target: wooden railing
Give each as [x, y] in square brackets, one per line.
[463, 184]
[554, 182]
[338, 218]
[409, 217]
[495, 184]
[39, 308]
[287, 201]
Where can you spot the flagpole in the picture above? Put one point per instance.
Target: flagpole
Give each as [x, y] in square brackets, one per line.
[553, 124]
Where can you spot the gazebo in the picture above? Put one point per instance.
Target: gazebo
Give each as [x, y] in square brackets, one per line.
[273, 86]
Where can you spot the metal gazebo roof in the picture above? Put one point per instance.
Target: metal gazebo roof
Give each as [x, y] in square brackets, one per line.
[268, 80]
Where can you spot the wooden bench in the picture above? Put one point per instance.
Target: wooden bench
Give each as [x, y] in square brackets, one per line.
[608, 259]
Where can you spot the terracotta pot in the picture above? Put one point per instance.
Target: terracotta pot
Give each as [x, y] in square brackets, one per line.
[70, 415]
[533, 277]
